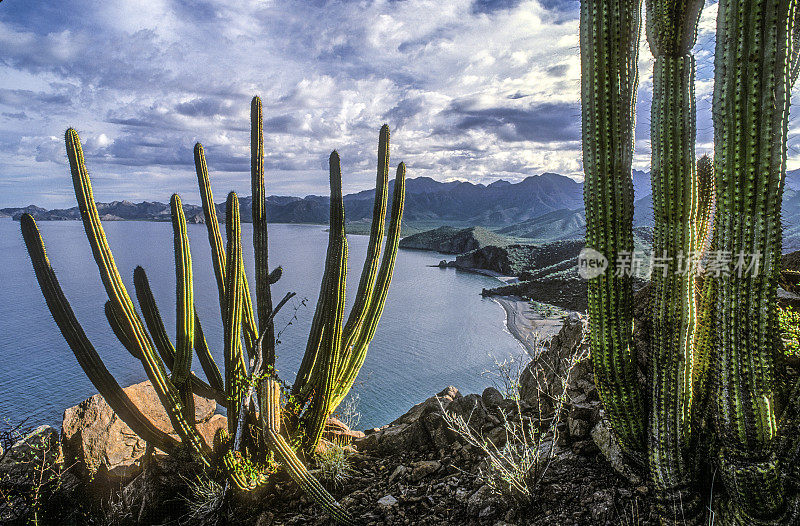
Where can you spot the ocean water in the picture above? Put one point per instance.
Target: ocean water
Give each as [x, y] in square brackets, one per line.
[435, 331]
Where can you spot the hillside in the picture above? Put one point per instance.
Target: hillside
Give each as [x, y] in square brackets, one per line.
[451, 240]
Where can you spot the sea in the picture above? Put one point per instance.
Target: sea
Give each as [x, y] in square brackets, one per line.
[436, 329]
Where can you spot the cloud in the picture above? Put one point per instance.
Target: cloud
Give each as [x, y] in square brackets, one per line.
[472, 89]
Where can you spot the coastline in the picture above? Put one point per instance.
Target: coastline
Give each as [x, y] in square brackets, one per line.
[526, 325]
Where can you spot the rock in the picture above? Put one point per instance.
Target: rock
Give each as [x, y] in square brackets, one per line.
[438, 431]
[398, 472]
[471, 409]
[423, 468]
[340, 433]
[479, 500]
[209, 428]
[492, 397]
[497, 436]
[105, 447]
[387, 501]
[578, 428]
[435, 403]
[610, 449]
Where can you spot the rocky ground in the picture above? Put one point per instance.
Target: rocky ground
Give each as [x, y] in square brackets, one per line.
[416, 470]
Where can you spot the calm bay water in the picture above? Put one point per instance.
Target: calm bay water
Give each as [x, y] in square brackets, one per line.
[436, 330]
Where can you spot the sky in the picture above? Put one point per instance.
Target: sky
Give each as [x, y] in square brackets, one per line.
[476, 90]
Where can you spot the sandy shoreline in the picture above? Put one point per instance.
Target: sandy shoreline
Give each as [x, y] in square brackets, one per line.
[527, 325]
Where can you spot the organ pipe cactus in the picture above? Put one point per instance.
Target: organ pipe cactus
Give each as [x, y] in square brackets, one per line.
[753, 79]
[609, 40]
[726, 322]
[677, 237]
[334, 353]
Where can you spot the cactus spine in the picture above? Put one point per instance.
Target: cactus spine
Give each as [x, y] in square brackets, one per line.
[671, 33]
[751, 106]
[609, 42]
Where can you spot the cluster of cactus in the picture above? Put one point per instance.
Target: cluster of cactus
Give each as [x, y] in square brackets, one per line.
[717, 398]
[250, 390]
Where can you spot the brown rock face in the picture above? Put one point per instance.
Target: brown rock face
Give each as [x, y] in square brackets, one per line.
[95, 437]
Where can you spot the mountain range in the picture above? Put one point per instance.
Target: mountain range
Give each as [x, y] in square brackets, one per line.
[541, 208]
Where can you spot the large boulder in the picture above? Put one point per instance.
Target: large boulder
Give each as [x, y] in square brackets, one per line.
[105, 448]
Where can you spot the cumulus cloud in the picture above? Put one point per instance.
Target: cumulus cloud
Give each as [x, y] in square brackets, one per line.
[472, 89]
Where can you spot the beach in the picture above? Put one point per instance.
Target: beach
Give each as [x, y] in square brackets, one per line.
[527, 325]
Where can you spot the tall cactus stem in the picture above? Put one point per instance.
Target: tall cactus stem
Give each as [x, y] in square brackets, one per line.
[235, 366]
[671, 33]
[260, 238]
[323, 375]
[609, 42]
[353, 361]
[169, 396]
[751, 108]
[218, 249]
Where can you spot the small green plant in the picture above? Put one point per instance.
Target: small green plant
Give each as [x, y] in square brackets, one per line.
[32, 468]
[333, 463]
[517, 463]
[204, 497]
[790, 330]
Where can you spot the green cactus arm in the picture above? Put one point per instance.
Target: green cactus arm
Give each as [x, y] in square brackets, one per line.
[115, 322]
[235, 365]
[609, 42]
[260, 238]
[155, 324]
[355, 359]
[184, 315]
[152, 317]
[752, 88]
[369, 273]
[212, 224]
[671, 33]
[275, 275]
[705, 199]
[84, 351]
[134, 328]
[205, 358]
[270, 394]
[332, 296]
[703, 344]
[218, 249]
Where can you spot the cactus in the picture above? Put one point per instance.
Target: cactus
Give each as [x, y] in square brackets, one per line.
[235, 366]
[725, 322]
[260, 245]
[334, 354]
[753, 60]
[609, 41]
[671, 33]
